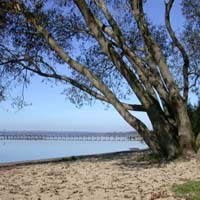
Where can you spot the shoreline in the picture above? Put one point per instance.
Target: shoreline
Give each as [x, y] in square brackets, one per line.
[72, 158]
[126, 175]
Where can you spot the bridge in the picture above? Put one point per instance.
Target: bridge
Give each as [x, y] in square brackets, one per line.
[69, 137]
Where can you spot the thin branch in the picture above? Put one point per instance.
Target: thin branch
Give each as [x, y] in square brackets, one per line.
[24, 84]
[194, 82]
[168, 7]
[85, 89]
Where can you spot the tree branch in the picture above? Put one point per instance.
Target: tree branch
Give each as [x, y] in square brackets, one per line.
[153, 48]
[136, 123]
[116, 29]
[177, 43]
[85, 89]
[136, 61]
[112, 54]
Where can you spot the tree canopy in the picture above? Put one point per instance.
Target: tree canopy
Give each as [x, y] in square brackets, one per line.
[108, 50]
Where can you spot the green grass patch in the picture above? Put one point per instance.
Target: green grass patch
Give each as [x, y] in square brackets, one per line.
[189, 189]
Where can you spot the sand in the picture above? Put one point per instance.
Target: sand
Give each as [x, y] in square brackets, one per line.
[114, 177]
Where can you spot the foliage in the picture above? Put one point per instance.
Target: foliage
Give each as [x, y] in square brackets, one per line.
[194, 114]
[191, 188]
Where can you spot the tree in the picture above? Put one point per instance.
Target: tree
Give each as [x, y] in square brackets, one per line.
[119, 53]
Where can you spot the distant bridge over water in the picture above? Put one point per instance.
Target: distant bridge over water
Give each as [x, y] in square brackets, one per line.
[69, 138]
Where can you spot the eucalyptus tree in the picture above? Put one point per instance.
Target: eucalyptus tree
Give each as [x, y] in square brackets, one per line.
[105, 50]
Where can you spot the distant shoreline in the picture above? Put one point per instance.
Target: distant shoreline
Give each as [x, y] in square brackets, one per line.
[69, 133]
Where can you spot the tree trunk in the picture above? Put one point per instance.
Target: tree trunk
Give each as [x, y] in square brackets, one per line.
[165, 133]
[172, 139]
[185, 133]
[167, 141]
[197, 142]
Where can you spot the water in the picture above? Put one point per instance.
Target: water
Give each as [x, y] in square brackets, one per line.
[24, 150]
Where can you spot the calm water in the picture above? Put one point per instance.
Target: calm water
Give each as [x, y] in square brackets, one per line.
[22, 150]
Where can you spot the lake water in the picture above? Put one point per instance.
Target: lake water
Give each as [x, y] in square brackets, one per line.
[24, 150]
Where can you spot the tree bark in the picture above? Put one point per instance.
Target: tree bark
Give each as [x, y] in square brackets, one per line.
[165, 132]
[185, 133]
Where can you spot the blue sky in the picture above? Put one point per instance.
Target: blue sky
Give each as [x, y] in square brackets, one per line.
[51, 111]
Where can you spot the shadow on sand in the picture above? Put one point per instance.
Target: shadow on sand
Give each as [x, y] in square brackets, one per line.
[124, 159]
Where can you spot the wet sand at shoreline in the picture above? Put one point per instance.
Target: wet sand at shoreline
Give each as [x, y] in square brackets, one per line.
[113, 177]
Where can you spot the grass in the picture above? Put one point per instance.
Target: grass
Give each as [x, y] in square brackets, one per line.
[189, 189]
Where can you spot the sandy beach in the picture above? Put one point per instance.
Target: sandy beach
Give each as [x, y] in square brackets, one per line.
[114, 177]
